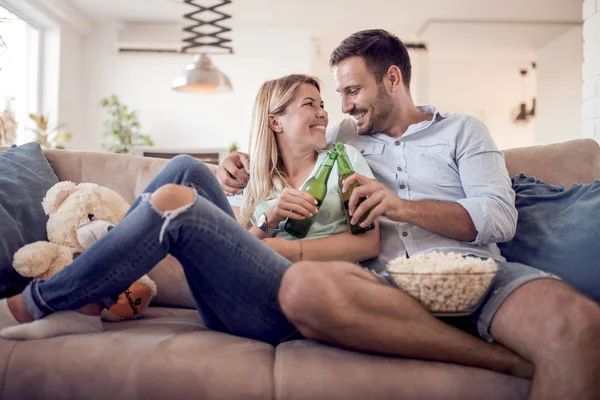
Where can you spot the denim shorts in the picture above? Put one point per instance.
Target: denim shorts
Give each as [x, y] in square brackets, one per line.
[509, 278]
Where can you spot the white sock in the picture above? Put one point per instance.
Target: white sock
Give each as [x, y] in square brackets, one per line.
[6, 317]
[57, 324]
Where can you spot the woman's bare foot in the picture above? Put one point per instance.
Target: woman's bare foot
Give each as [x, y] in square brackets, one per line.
[18, 310]
[17, 323]
[6, 316]
[57, 324]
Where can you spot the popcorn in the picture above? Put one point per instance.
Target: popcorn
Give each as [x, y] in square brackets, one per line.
[444, 283]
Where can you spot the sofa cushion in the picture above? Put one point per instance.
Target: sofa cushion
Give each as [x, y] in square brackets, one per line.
[100, 168]
[25, 177]
[167, 355]
[306, 370]
[558, 231]
[574, 161]
[173, 290]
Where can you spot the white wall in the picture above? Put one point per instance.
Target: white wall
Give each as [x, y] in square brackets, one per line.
[559, 89]
[322, 48]
[70, 93]
[489, 91]
[473, 68]
[180, 120]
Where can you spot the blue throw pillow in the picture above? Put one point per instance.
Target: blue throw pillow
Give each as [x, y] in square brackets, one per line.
[25, 177]
[558, 231]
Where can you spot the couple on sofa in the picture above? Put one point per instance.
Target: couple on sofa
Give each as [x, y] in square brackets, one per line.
[441, 185]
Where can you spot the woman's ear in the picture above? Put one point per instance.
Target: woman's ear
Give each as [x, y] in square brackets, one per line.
[275, 124]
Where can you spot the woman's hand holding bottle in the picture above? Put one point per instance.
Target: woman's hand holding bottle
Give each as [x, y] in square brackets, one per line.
[294, 204]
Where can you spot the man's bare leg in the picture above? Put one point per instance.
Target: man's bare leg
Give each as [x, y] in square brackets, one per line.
[342, 304]
[556, 327]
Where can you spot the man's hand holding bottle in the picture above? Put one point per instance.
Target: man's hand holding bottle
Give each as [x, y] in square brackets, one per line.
[379, 199]
[232, 174]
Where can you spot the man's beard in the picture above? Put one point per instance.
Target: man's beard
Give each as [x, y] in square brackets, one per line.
[382, 109]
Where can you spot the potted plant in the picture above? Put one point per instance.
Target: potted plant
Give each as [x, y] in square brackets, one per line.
[122, 128]
[46, 136]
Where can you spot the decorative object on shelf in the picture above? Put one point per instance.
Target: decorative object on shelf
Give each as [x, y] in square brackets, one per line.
[234, 147]
[122, 128]
[8, 124]
[50, 138]
[521, 114]
[201, 76]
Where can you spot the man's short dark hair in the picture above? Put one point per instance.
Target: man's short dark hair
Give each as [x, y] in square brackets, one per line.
[380, 50]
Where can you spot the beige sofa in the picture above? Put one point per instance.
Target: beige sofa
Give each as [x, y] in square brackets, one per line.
[170, 354]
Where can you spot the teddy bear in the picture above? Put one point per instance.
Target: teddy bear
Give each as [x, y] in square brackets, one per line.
[78, 216]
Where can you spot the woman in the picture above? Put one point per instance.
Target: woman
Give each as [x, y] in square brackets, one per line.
[287, 134]
[232, 276]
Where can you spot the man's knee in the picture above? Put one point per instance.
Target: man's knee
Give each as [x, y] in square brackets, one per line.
[568, 316]
[300, 284]
[171, 197]
[313, 295]
[577, 320]
[305, 294]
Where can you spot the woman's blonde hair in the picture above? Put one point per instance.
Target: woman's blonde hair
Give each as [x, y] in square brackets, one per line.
[267, 173]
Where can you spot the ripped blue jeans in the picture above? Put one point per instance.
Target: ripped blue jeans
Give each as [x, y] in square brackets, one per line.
[233, 277]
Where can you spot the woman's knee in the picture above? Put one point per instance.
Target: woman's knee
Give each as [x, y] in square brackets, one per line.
[171, 197]
[185, 163]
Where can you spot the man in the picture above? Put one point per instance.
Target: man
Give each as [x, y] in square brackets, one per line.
[441, 185]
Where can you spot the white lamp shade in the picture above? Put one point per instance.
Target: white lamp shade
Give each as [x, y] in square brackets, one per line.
[201, 76]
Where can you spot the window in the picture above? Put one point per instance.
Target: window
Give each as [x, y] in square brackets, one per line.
[19, 61]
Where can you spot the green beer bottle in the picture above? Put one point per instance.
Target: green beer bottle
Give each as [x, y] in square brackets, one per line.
[317, 187]
[345, 170]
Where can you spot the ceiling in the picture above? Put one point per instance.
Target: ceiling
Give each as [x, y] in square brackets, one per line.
[326, 17]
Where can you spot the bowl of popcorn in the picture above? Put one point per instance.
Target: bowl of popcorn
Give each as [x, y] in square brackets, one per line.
[446, 284]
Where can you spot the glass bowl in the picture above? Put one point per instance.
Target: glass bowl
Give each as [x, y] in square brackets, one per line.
[446, 294]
